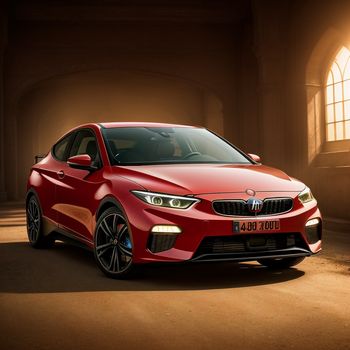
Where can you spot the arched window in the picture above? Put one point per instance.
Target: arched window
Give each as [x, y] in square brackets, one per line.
[338, 98]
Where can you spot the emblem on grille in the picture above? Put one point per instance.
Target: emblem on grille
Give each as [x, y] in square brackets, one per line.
[255, 205]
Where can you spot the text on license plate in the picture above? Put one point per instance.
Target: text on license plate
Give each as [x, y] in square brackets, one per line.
[256, 226]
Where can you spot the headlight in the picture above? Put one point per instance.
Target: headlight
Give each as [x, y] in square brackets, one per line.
[165, 200]
[305, 195]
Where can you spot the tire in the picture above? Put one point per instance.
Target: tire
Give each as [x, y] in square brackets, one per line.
[113, 247]
[35, 225]
[282, 263]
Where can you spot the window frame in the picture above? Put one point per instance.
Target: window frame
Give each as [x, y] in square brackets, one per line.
[342, 145]
[70, 135]
[73, 134]
[93, 133]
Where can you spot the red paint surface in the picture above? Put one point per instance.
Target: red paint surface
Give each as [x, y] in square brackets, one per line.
[71, 202]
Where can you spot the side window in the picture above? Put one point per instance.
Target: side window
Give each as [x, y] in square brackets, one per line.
[60, 150]
[85, 143]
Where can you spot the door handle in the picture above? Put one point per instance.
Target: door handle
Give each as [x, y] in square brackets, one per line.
[60, 174]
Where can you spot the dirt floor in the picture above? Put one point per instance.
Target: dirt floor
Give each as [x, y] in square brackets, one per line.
[58, 299]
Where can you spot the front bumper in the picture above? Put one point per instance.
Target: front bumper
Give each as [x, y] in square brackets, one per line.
[200, 223]
[245, 247]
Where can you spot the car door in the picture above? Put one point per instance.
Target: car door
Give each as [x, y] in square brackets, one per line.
[48, 169]
[76, 190]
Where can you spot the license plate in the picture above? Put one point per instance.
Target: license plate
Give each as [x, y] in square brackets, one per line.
[256, 226]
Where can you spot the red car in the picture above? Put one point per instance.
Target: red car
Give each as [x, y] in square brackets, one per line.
[147, 192]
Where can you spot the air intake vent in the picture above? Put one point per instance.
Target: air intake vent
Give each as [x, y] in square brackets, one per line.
[249, 243]
[161, 242]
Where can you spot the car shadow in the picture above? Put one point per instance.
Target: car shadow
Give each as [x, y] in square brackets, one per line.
[65, 268]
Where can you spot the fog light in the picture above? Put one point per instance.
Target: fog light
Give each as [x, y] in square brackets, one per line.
[166, 229]
[313, 230]
[312, 222]
[163, 237]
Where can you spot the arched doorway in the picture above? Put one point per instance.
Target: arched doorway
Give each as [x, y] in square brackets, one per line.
[328, 146]
[316, 73]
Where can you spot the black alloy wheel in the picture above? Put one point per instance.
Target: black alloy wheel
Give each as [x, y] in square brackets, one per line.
[35, 225]
[113, 244]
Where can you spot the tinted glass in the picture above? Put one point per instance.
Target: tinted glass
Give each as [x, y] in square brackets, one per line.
[137, 145]
[85, 143]
[61, 148]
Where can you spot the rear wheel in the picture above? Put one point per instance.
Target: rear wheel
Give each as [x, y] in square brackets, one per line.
[281, 263]
[113, 245]
[35, 225]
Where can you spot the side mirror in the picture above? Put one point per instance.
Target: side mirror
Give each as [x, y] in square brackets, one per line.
[81, 161]
[254, 157]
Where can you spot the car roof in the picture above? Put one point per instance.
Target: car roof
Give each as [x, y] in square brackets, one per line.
[142, 125]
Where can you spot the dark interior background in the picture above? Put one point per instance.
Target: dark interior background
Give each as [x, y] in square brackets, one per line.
[252, 70]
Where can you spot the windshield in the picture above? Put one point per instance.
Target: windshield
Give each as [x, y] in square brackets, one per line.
[156, 145]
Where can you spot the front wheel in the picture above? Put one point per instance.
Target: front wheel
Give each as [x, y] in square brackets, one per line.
[113, 244]
[281, 263]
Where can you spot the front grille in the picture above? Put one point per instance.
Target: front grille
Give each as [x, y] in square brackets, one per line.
[249, 243]
[271, 206]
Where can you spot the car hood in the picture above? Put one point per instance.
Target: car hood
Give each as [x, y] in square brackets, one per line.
[184, 179]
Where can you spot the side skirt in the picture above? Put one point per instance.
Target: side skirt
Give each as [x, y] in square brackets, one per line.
[51, 228]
